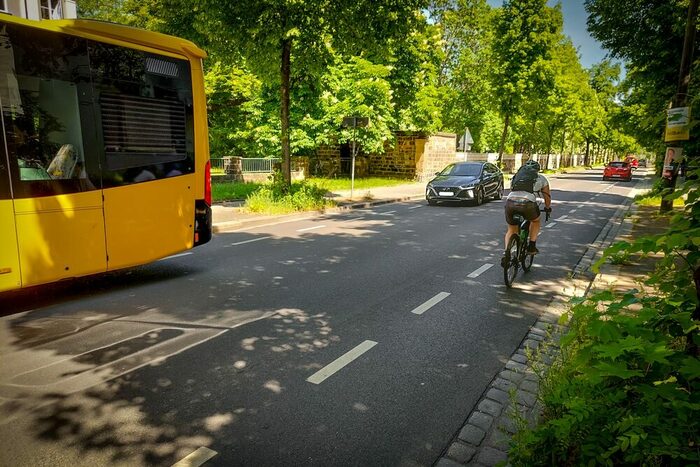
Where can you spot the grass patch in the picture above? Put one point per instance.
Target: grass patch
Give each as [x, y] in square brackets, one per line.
[273, 198]
[228, 191]
[335, 184]
[655, 201]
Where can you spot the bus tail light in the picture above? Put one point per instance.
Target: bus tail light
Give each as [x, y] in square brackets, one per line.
[207, 183]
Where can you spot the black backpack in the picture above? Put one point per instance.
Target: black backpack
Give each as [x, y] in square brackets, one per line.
[524, 179]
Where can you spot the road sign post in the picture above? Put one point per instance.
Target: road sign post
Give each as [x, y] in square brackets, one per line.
[354, 122]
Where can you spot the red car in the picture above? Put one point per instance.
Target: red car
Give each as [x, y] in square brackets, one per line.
[618, 170]
[633, 162]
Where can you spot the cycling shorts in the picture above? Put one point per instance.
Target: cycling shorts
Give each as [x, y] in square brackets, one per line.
[526, 208]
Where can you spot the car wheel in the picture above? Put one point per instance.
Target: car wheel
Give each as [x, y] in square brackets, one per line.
[499, 192]
[479, 199]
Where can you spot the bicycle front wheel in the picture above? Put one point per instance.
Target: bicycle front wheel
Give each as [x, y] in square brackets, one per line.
[510, 269]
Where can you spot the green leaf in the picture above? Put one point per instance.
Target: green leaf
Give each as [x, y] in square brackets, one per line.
[690, 368]
[669, 380]
[617, 369]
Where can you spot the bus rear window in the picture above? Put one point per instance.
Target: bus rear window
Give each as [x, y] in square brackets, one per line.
[145, 110]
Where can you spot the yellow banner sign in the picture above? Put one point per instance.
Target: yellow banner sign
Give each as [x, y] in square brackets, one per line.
[678, 124]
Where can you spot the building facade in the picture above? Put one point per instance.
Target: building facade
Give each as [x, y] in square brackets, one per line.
[40, 9]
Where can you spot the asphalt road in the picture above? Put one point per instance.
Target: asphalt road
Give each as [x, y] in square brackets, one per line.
[358, 338]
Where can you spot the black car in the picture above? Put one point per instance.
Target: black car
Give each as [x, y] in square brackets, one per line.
[465, 181]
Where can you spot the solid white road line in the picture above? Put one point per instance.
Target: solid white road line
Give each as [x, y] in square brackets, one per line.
[430, 303]
[197, 458]
[480, 271]
[175, 256]
[337, 364]
[250, 241]
[311, 228]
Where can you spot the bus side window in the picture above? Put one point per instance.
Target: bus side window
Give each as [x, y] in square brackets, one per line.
[47, 79]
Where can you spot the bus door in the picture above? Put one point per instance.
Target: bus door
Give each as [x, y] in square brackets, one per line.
[47, 113]
[144, 110]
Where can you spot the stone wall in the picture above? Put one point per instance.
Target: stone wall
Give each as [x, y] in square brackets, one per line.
[399, 159]
[437, 151]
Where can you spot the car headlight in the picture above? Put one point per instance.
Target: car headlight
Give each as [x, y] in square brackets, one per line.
[467, 187]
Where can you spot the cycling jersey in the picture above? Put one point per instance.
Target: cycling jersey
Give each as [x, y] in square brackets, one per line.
[524, 202]
[541, 182]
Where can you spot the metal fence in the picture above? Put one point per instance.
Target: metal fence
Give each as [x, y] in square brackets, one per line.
[249, 165]
[258, 165]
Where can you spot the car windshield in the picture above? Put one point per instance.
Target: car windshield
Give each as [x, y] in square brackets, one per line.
[462, 170]
[618, 164]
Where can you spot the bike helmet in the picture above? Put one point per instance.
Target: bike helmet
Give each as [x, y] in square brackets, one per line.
[534, 164]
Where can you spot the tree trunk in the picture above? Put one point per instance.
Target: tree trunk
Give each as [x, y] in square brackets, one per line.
[550, 139]
[503, 139]
[563, 142]
[284, 111]
[587, 157]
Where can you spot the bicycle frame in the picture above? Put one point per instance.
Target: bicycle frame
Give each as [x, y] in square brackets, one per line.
[517, 254]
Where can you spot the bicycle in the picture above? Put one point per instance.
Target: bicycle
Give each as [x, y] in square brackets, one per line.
[516, 251]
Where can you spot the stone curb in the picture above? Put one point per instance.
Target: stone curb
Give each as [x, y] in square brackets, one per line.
[510, 401]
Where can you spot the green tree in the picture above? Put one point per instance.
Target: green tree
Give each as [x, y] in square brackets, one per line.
[464, 75]
[357, 87]
[648, 36]
[277, 35]
[526, 33]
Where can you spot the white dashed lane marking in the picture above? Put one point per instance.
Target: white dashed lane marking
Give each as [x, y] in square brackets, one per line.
[480, 271]
[549, 226]
[342, 361]
[197, 458]
[311, 228]
[430, 303]
[175, 256]
[250, 241]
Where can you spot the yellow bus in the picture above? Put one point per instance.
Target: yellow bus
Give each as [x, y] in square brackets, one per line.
[104, 157]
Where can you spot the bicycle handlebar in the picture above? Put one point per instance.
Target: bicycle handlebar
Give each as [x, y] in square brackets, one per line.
[547, 213]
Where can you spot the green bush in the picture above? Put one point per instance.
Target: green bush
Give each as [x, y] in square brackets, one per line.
[275, 198]
[626, 390]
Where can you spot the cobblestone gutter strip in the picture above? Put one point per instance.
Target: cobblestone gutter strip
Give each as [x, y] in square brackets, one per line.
[512, 395]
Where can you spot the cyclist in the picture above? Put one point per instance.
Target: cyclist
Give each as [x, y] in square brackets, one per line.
[526, 187]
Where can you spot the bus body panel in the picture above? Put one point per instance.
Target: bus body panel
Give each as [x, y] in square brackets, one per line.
[60, 237]
[114, 219]
[148, 221]
[10, 277]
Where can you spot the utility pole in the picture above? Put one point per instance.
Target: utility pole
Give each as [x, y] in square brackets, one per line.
[680, 99]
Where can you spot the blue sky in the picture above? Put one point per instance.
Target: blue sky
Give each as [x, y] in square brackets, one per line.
[575, 17]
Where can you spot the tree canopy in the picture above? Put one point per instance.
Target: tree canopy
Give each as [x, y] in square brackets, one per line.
[282, 74]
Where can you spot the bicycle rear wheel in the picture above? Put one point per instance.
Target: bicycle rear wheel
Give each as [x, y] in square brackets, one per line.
[510, 270]
[527, 261]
